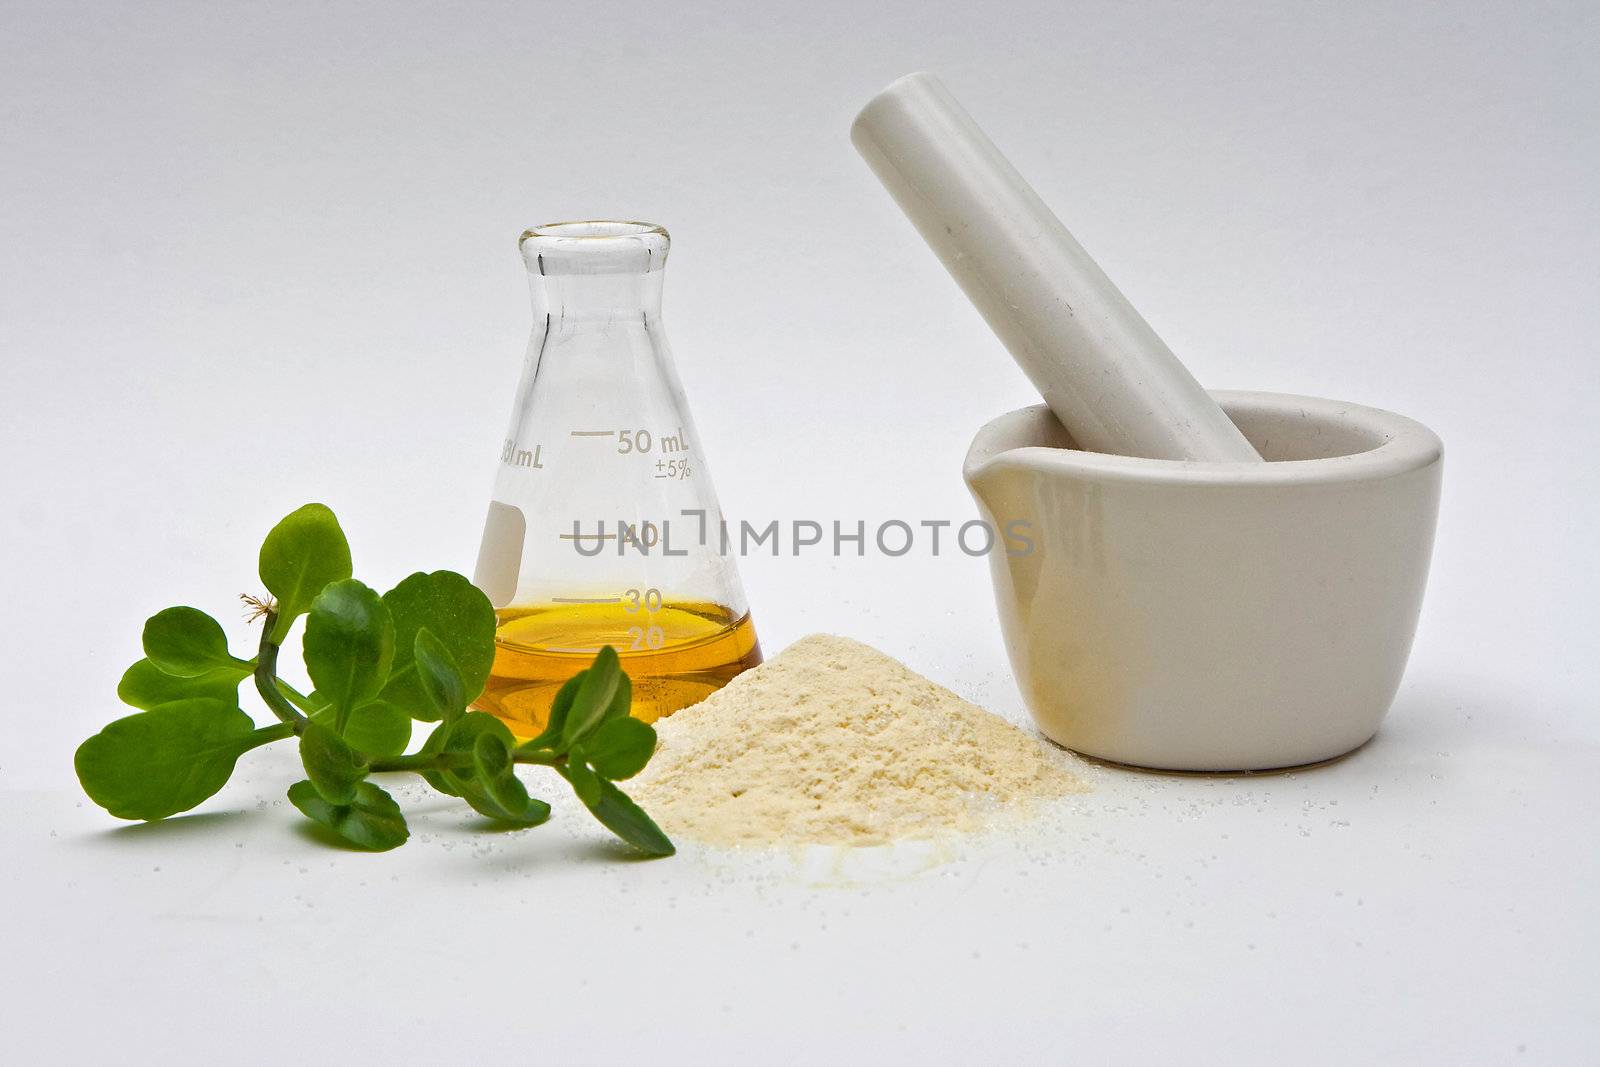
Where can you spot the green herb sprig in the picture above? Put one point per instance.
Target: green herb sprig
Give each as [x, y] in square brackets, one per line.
[422, 651]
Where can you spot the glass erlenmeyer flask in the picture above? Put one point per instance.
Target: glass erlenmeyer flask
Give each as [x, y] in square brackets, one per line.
[604, 527]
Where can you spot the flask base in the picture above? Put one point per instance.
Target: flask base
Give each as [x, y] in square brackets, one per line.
[675, 656]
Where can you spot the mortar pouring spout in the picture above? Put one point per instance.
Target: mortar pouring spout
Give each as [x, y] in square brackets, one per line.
[1007, 460]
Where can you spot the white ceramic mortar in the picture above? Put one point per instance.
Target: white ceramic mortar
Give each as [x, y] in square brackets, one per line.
[1213, 616]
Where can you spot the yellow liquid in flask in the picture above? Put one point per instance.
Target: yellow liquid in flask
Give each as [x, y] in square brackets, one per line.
[677, 654]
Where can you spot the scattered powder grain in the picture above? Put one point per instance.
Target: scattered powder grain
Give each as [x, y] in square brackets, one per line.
[834, 743]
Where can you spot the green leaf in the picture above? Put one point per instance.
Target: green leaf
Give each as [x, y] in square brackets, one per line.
[621, 700]
[594, 696]
[497, 792]
[144, 685]
[490, 786]
[438, 676]
[372, 820]
[462, 737]
[490, 757]
[187, 642]
[348, 646]
[620, 748]
[160, 762]
[628, 821]
[432, 747]
[373, 729]
[333, 766]
[584, 781]
[303, 553]
[459, 616]
[560, 708]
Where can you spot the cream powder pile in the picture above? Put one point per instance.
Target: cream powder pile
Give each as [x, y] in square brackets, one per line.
[834, 743]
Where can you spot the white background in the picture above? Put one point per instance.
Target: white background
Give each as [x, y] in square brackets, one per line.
[260, 254]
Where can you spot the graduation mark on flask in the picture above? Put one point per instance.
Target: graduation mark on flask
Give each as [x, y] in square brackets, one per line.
[640, 442]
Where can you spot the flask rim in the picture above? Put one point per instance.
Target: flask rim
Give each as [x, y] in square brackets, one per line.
[593, 230]
[595, 246]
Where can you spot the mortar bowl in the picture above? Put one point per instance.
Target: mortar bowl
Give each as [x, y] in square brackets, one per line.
[1212, 616]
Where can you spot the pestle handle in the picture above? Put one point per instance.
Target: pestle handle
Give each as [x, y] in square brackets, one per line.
[1110, 380]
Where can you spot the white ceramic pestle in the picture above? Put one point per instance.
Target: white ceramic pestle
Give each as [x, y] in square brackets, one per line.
[1113, 384]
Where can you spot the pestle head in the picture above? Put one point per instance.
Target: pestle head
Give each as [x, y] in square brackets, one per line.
[1108, 378]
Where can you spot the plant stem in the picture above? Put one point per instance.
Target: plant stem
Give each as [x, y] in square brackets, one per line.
[456, 761]
[424, 761]
[265, 735]
[266, 676]
[295, 697]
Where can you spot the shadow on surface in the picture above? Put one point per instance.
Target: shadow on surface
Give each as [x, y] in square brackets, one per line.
[1268, 772]
[610, 850]
[540, 849]
[316, 833]
[176, 826]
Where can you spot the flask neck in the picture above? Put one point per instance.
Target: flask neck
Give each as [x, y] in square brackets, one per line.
[596, 270]
[584, 297]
